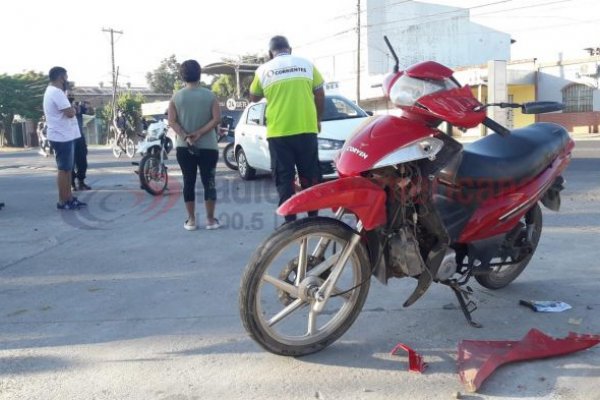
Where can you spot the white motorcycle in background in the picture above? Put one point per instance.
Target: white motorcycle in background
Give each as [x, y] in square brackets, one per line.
[154, 150]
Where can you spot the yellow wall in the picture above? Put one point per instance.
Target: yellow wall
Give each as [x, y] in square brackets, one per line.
[522, 94]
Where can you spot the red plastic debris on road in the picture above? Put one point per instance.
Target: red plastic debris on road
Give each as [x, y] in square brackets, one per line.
[477, 359]
[415, 361]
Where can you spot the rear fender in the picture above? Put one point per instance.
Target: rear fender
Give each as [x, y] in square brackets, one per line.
[356, 194]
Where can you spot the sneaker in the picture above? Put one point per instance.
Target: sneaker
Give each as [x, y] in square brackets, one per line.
[188, 226]
[83, 186]
[73, 187]
[66, 206]
[75, 201]
[214, 225]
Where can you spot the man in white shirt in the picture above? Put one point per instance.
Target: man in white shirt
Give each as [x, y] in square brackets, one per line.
[62, 132]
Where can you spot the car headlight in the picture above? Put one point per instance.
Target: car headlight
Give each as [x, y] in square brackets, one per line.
[330, 144]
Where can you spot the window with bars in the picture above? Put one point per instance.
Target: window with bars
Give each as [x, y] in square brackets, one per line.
[577, 98]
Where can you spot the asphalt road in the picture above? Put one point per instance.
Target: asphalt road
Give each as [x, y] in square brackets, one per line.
[120, 302]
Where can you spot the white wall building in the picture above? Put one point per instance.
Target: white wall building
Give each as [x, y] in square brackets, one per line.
[419, 32]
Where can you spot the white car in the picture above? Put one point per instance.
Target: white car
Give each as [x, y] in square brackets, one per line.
[340, 118]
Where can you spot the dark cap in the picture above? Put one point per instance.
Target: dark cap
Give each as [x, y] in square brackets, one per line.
[278, 43]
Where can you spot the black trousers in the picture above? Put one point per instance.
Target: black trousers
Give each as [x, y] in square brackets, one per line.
[291, 153]
[80, 166]
[206, 161]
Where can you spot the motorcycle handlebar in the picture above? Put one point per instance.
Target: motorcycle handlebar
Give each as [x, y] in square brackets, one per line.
[496, 127]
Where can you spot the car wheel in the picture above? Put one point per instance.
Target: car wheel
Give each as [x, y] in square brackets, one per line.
[245, 170]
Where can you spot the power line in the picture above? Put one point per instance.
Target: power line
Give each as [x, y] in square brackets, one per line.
[521, 8]
[340, 33]
[389, 22]
[441, 13]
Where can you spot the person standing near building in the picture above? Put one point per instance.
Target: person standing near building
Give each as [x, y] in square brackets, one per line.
[81, 151]
[294, 91]
[62, 131]
[194, 113]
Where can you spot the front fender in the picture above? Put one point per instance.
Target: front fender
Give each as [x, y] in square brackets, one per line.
[357, 194]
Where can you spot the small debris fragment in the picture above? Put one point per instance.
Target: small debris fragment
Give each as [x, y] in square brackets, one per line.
[575, 321]
[589, 308]
[542, 379]
[545, 306]
[415, 360]
[457, 395]
[449, 306]
[318, 395]
[365, 390]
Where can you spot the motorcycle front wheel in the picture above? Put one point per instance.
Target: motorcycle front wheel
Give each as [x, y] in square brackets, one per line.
[153, 175]
[279, 286]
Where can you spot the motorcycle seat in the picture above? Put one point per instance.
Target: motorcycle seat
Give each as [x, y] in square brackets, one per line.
[522, 155]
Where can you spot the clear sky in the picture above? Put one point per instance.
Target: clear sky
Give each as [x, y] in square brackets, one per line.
[40, 34]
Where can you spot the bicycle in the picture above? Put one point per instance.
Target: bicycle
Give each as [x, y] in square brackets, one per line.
[120, 141]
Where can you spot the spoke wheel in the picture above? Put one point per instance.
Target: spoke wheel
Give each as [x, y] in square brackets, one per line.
[278, 290]
[503, 275]
[116, 150]
[130, 148]
[229, 157]
[153, 175]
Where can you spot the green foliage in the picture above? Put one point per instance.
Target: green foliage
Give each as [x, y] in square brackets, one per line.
[21, 94]
[224, 86]
[165, 78]
[130, 104]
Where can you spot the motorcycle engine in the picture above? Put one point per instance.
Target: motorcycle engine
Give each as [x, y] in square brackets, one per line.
[404, 256]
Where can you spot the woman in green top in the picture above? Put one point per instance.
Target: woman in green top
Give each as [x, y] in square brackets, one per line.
[194, 113]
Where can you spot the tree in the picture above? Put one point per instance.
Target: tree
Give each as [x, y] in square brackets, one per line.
[20, 94]
[224, 86]
[164, 78]
[130, 104]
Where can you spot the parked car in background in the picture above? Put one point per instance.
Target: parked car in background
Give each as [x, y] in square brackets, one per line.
[340, 118]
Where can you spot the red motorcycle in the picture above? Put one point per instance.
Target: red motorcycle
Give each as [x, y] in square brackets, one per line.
[410, 202]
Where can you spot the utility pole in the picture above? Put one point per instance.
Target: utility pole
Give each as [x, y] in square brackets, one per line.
[112, 60]
[358, 53]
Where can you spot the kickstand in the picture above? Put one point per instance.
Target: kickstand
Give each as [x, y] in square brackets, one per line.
[468, 306]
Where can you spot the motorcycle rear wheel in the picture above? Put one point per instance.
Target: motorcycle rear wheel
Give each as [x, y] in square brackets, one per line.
[153, 175]
[229, 157]
[281, 321]
[504, 275]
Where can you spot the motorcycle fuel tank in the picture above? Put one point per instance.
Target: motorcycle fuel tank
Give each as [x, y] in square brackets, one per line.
[375, 139]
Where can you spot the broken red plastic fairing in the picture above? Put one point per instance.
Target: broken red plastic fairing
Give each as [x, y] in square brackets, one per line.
[415, 361]
[477, 359]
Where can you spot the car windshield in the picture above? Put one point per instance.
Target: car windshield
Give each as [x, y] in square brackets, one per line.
[337, 108]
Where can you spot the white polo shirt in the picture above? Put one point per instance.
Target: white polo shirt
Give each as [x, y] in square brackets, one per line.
[60, 128]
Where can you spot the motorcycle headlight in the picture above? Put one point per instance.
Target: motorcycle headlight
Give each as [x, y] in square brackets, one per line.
[330, 144]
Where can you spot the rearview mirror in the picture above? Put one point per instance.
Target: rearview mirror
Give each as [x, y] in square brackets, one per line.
[541, 107]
